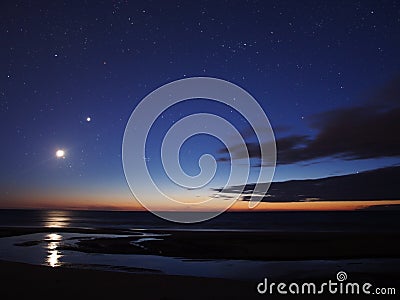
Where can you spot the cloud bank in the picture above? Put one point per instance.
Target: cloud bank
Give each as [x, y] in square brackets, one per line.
[371, 130]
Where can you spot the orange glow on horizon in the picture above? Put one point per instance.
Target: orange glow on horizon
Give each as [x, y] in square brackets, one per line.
[105, 202]
[312, 205]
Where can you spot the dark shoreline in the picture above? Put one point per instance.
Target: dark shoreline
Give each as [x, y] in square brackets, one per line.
[250, 245]
[68, 281]
[25, 281]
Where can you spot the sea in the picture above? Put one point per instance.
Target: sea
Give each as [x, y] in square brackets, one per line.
[251, 221]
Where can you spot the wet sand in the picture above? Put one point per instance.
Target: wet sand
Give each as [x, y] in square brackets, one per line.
[254, 245]
[250, 245]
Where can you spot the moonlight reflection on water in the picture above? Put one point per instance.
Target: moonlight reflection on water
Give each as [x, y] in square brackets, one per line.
[53, 254]
[57, 219]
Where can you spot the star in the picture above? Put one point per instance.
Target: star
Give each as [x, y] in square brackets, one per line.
[88, 119]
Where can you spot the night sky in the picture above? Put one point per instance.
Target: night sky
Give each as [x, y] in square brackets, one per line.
[326, 74]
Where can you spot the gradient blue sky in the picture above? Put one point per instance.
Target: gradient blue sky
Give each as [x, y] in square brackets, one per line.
[64, 62]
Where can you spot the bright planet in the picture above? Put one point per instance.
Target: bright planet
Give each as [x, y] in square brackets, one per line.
[60, 153]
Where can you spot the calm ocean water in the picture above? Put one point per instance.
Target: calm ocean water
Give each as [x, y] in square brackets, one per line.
[266, 221]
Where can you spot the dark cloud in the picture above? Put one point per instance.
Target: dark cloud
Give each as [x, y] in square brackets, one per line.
[352, 133]
[253, 150]
[379, 184]
[382, 207]
[360, 132]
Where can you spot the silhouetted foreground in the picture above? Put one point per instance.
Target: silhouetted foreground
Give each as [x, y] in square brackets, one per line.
[39, 282]
[24, 281]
